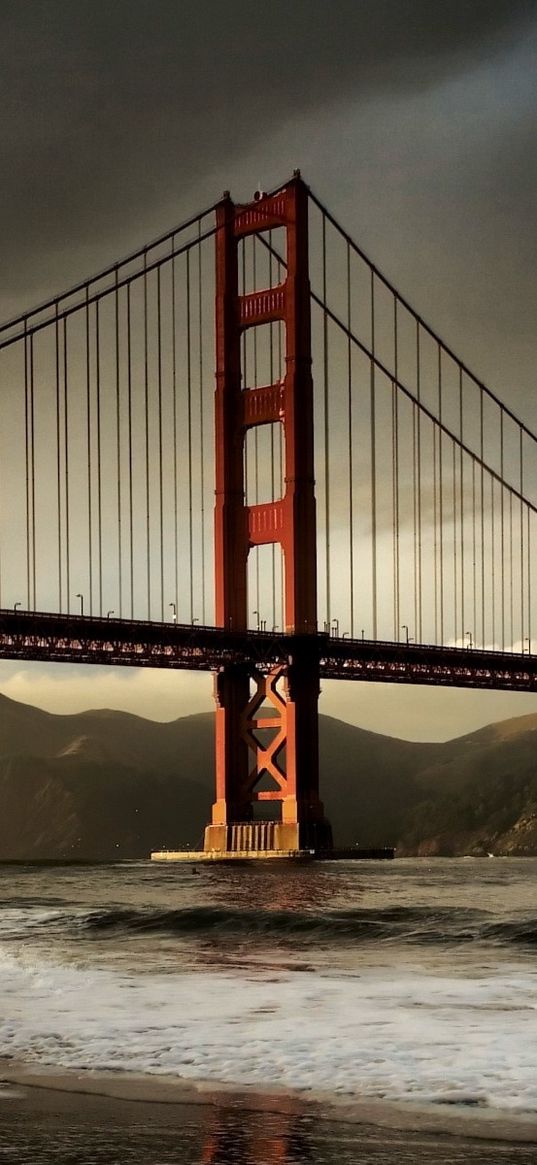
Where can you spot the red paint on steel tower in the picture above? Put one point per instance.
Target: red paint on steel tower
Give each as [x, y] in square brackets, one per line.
[291, 759]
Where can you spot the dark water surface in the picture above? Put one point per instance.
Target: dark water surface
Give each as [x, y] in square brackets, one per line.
[407, 981]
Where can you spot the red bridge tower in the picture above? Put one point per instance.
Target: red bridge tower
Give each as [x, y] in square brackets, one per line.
[291, 758]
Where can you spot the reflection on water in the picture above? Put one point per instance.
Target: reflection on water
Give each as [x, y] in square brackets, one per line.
[65, 1129]
[239, 1138]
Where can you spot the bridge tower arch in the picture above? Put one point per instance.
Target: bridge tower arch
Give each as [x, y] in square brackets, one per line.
[243, 756]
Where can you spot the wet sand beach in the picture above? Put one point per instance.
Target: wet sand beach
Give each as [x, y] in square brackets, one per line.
[73, 1119]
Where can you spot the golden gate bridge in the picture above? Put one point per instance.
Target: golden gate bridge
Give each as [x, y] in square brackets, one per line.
[345, 500]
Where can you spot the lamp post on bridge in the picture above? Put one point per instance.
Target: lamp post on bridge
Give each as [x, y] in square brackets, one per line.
[408, 638]
[470, 643]
[17, 604]
[174, 612]
[81, 597]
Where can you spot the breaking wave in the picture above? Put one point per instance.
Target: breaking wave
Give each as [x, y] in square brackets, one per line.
[420, 925]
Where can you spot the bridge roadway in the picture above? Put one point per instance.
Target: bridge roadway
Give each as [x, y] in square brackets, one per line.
[57, 638]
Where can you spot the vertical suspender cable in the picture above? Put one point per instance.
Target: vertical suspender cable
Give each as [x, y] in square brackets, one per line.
[350, 451]
[66, 441]
[415, 515]
[373, 464]
[58, 459]
[528, 566]
[482, 514]
[455, 563]
[202, 428]
[160, 443]
[395, 471]
[502, 529]
[27, 457]
[88, 450]
[522, 572]
[441, 493]
[118, 450]
[129, 419]
[326, 428]
[492, 562]
[419, 631]
[435, 535]
[189, 425]
[32, 462]
[511, 586]
[474, 556]
[99, 459]
[174, 422]
[461, 496]
[146, 406]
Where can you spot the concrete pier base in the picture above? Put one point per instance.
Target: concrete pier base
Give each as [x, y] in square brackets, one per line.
[330, 855]
[268, 836]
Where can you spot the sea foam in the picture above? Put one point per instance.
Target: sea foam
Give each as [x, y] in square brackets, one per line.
[383, 1033]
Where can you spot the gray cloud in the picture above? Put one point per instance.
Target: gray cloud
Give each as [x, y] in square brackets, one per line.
[110, 112]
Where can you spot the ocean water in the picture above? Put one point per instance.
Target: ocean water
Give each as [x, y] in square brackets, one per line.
[409, 981]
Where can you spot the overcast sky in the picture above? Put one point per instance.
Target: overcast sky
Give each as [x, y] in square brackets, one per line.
[415, 122]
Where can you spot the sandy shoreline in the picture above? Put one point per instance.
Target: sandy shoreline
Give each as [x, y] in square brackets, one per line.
[31, 1085]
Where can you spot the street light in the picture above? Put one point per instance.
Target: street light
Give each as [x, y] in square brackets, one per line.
[17, 604]
[362, 633]
[195, 620]
[81, 597]
[108, 613]
[409, 638]
[528, 641]
[335, 623]
[174, 612]
[256, 613]
[470, 639]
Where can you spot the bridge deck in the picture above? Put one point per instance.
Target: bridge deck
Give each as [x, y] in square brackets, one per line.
[56, 638]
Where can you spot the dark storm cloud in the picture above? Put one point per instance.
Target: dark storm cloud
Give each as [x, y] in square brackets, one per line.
[109, 109]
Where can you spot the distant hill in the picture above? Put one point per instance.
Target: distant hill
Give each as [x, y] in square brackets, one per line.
[106, 784]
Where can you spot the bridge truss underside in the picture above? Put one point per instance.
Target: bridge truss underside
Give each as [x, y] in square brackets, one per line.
[49, 638]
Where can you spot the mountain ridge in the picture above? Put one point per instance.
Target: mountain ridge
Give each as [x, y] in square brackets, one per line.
[102, 783]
